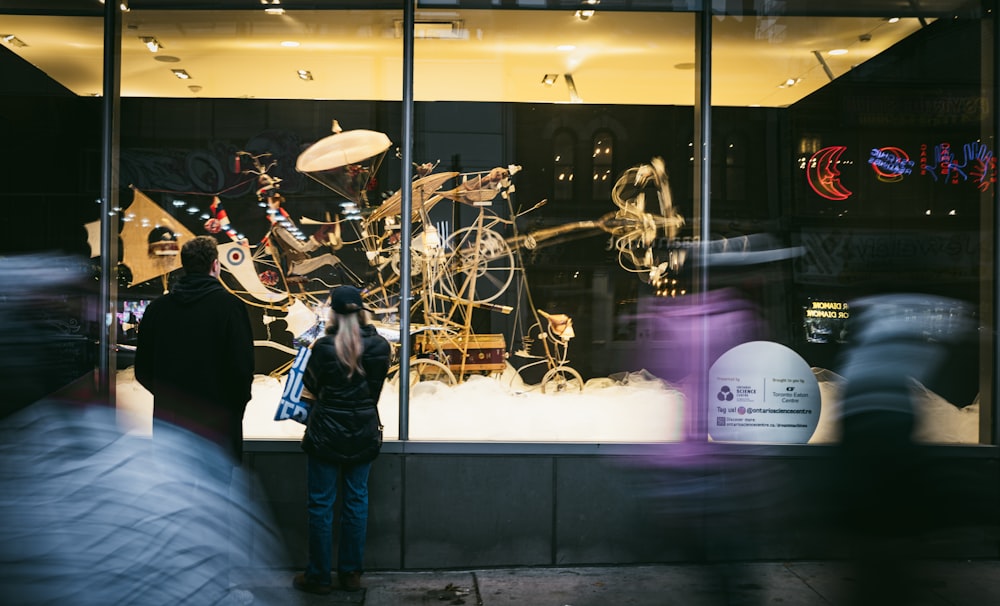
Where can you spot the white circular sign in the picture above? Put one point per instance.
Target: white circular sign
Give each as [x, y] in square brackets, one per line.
[762, 392]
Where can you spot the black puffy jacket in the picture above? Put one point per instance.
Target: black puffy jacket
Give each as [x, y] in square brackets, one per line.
[343, 422]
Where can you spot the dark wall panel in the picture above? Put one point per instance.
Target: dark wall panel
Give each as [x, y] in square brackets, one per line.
[477, 511]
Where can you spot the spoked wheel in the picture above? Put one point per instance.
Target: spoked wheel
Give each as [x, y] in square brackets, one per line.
[426, 369]
[562, 379]
[480, 266]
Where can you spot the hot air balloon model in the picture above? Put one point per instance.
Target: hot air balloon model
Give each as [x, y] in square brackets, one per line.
[346, 162]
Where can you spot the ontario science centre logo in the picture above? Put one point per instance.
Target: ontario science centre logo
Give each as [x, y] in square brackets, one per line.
[725, 394]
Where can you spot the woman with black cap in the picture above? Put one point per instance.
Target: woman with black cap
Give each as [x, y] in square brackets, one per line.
[345, 374]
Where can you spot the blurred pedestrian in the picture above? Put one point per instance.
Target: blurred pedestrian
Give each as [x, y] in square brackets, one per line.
[888, 496]
[345, 372]
[195, 352]
[94, 515]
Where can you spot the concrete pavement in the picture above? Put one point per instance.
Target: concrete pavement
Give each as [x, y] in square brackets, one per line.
[935, 583]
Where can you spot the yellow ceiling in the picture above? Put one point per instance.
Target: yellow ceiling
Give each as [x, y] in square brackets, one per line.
[614, 57]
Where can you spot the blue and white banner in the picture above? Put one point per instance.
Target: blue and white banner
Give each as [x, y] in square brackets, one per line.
[292, 406]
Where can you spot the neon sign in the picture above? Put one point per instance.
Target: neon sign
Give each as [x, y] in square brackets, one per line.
[890, 164]
[974, 163]
[977, 163]
[824, 176]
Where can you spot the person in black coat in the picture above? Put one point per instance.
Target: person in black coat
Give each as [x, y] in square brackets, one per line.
[195, 352]
[345, 374]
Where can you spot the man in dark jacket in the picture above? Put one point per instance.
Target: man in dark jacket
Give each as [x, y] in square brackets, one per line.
[195, 352]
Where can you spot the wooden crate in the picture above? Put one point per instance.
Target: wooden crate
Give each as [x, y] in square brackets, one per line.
[482, 353]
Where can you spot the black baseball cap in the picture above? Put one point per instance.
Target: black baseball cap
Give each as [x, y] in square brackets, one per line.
[346, 300]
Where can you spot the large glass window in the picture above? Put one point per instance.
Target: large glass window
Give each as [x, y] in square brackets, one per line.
[562, 290]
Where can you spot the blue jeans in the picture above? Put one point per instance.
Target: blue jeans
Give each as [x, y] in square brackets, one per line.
[322, 481]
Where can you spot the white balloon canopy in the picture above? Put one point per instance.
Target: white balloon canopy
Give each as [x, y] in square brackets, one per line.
[345, 162]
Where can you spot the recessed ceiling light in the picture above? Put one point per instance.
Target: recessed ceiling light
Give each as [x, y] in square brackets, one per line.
[305, 74]
[167, 59]
[183, 75]
[550, 79]
[13, 40]
[838, 51]
[274, 11]
[151, 43]
[893, 19]
[289, 43]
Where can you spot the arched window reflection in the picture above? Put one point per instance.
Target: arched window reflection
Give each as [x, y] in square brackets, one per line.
[564, 155]
[603, 163]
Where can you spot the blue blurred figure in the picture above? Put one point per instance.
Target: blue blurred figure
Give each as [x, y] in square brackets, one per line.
[92, 515]
[888, 492]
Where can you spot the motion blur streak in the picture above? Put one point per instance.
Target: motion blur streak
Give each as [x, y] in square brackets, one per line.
[95, 516]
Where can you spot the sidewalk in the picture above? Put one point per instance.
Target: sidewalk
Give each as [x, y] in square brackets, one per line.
[937, 583]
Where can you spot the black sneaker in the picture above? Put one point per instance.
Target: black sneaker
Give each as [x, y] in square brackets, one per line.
[301, 583]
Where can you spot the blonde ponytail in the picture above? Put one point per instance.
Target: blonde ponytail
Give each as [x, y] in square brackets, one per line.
[348, 340]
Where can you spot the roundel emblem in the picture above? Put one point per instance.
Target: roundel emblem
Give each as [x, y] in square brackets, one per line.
[235, 256]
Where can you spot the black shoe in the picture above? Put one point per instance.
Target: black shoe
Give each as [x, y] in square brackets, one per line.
[350, 581]
[301, 583]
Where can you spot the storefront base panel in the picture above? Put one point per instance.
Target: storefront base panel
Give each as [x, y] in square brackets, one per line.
[461, 506]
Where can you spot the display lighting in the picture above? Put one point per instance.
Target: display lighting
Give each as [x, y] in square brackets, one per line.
[151, 43]
[549, 79]
[305, 74]
[583, 15]
[183, 75]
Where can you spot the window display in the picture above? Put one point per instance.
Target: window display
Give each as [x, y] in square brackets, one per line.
[568, 279]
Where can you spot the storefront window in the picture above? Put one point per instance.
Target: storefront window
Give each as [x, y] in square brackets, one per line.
[562, 290]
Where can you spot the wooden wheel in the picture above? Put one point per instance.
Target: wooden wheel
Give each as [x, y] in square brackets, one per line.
[480, 266]
[425, 369]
